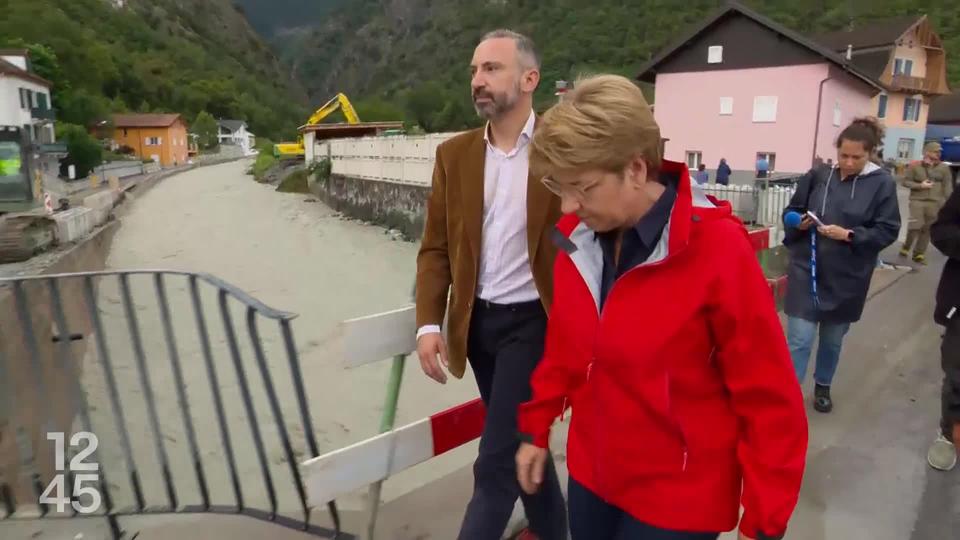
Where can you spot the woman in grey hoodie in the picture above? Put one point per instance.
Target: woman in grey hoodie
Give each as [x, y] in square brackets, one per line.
[832, 262]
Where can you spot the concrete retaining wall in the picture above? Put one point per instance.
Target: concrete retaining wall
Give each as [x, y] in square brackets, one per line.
[392, 205]
[74, 224]
[101, 205]
[120, 169]
[23, 443]
[225, 152]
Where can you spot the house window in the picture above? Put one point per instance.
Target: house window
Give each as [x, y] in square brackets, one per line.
[902, 66]
[27, 100]
[694, 159]
[911, 109]
[153, 141]
[765, 109]
[836, 113]
[42, 102]
[882, 107]
[771, 158]
[726, 106]
[905, 148]
[715, 54]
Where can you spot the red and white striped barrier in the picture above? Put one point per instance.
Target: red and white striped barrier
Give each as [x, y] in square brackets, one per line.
[378, 458]
[369, 339]
[379, 337]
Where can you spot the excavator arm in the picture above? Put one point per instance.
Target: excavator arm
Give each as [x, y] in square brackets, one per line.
[338, 101]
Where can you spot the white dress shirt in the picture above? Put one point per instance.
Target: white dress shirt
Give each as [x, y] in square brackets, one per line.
[505, 276]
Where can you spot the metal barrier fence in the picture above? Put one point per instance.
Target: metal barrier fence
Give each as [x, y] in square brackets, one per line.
[759, 204]
[117, 400]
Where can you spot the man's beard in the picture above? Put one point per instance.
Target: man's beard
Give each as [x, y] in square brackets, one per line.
[499, 103]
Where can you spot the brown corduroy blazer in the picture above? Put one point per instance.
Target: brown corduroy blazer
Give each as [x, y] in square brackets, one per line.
[449, 256]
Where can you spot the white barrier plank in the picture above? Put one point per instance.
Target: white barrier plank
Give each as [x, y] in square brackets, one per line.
[373, 338]
[356, 466]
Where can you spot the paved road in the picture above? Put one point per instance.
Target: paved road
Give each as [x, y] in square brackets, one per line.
[866, 475]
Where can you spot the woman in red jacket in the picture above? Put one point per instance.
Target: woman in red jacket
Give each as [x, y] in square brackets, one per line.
[663, 338]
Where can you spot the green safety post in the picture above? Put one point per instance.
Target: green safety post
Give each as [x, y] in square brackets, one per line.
[386, 424]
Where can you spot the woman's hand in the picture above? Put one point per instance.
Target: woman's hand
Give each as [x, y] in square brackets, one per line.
[531, 461]
[835, 232]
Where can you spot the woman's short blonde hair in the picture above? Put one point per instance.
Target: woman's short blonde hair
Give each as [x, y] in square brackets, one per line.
[603, 123]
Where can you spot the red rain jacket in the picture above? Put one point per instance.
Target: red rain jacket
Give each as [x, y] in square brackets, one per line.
[686, 405]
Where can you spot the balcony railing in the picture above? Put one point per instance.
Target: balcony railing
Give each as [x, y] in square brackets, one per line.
[43, 114]
[907, 82]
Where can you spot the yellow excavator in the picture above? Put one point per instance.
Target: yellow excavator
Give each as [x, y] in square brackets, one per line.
[296, 150]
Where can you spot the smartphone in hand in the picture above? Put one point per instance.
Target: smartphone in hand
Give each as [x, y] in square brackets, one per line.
[815, 219]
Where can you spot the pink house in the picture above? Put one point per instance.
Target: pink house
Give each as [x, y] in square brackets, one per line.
[741, 87]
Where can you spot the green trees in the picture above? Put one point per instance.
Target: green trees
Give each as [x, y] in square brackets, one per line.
[159, 56]
[205, 127]
[83, 151]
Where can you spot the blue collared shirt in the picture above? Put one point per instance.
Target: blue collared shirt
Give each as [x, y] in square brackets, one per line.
[638, 242]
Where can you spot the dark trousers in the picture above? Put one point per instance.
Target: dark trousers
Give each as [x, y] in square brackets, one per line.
[593, 519]
[504, 346]
[950, 362]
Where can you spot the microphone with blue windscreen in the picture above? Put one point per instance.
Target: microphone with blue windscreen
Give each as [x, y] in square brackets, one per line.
[792, 219]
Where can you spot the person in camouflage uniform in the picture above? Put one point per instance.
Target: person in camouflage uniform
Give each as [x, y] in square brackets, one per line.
[930, 184]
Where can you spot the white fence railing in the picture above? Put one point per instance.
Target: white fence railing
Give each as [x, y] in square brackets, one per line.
[761, 204]
[404, 159]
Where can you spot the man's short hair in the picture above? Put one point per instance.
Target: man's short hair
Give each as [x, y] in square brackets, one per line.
[603, 123]
[529, 59]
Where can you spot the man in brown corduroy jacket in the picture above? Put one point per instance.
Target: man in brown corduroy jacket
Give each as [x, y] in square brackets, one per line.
[487, 244]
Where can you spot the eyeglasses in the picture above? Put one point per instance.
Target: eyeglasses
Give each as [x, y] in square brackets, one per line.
[579, 192]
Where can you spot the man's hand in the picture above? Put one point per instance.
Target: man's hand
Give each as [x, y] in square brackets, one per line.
[531, 461]
[429, 348]
[805, 223]
[835, 232]
[742, 536]
[926, 184]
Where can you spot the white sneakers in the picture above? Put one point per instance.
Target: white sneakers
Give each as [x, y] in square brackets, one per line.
[942, 454]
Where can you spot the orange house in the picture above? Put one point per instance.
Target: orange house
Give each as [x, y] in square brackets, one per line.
[160, 137]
